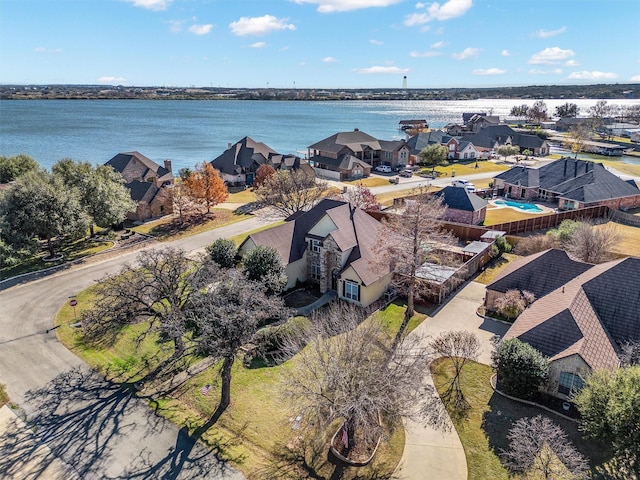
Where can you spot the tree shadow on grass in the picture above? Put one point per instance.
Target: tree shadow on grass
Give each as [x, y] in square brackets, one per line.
[503, 413]
[103, 430]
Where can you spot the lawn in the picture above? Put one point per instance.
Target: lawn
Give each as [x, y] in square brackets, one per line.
[71, 251]
[483, 431]
[238, 239]
[494, 267]
[369, 182]
[257, 433]
[243, 196]
[168, 228]
[629, 243]
[468, 168]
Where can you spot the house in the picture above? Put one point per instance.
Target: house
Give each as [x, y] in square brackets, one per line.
[345, 167]
[460, 149]
[149, 184]
[569, 182]
[456, 149]
[540, 274]
[362, 146]
[491, 137]
[238, 163]
[330, 245]
[581, 324]
[566, 124]
[479, 121]
[463, 206]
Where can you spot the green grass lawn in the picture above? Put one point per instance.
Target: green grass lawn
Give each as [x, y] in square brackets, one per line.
[468, 168]
[243, 196]
[71, 251]
[483, 432]
[254, 432]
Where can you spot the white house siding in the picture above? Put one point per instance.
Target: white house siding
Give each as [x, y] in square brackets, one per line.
[330, 174]
[324, 226]
[296, 271]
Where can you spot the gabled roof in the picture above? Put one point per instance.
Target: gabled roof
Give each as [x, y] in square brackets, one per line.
[540, 273]
[571, 178]
[589, 316]
[343, 162]
[122, 160]
[460, 199]
[142, 191]
[241, 155]
[422, 140]
[355, 230]
[391, 145]
[356, 141]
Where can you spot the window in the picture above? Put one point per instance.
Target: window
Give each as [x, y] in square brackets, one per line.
[315, 271]
[351, 290]
[315, 245]
[569, 383]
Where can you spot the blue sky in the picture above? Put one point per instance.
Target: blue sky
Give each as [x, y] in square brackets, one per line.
[319, 43]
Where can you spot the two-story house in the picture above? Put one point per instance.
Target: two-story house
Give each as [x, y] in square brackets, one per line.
[330, 245]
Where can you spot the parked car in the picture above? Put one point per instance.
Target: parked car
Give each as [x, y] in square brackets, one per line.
[383, 169]
[399, 168]
[406, 173]
[460, 183]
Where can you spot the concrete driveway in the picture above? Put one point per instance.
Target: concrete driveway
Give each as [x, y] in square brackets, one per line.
[431, 454]
[101, 430]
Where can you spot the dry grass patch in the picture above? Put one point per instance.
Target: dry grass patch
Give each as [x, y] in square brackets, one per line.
[169, 228]
[369, 182]
[629, 243]
[497, 215]
[494, 268]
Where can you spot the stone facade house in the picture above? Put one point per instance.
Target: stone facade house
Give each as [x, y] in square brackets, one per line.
[330, 246]
[239, 162]
[581, 325]
[345, 167]
[362, 146]
[463, 206]
[569, 182]
[149, 184]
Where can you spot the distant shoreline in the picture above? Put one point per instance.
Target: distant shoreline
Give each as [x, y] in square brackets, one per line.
[108, 92]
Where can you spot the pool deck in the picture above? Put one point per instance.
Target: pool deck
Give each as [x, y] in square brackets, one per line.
[544, 208]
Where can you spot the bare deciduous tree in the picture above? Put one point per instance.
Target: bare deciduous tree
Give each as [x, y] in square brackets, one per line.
[412, 238]
[459, 347]
[591, 243]
[360, 197]
[290, 191]
[537, 445]
[226, 316]
[346, 370]
[158, 290]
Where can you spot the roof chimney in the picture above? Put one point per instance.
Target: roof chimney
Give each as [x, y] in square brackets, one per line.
[167, 165]
[356, 129]
[228, 145]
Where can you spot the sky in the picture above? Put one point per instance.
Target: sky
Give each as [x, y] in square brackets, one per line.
[319, 43]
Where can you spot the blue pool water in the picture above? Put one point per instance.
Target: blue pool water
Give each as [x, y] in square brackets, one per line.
[527, 207]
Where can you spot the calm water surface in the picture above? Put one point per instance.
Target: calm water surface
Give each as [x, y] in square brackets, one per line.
[188, 132]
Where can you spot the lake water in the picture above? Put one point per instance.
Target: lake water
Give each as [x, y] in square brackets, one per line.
[188, 132]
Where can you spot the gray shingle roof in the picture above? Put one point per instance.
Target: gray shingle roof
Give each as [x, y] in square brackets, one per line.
[540, 273]
[122, 160]
[356, 141]
[242, 155]
[461, 199]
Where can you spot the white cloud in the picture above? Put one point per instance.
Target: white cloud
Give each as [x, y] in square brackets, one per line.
[329, 6]
[505, 53]
[439, 44]
[375, 42]
[259, 25]
[550, 56]
[112, 80]
[467, 53]
[200, 29]
[489, 71]
[635, 78]
[329, 60]
[550, 33]
[572, 63]
[175, 26]
[555, 71]
[435, 11]
[258, 45]
[427, 54]
[594, 75]
[380, 69]
[156, 5]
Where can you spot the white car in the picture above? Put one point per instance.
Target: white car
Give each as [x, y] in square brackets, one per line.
[383, 169]
[460, 183]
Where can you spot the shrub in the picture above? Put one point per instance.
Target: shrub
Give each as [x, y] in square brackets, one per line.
[500, 246]
[534, 244]
[223, 252]
[513, 303]
[264, 264]
[521, 368]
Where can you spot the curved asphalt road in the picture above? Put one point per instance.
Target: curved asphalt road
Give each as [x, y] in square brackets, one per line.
[99, 429]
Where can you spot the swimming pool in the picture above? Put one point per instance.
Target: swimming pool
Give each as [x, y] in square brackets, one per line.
[526, 207]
